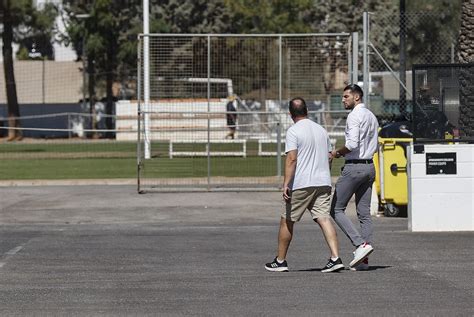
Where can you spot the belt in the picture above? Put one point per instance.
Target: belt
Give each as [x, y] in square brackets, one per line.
[359, 161]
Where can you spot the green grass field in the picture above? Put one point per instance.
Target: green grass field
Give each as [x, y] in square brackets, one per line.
[110, 159]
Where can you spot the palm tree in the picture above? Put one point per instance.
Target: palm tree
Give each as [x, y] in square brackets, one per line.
[466, 55]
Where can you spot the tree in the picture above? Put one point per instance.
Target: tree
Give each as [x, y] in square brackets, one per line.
[103, 36]
[270, 16]
[259, 56]
[190, 17]
[110, 33]
[347, 16]
[20, 19]
[12, 99]
[466, 55]
[431, 31]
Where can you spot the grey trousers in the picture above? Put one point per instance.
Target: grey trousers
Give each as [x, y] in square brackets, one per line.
[355, 179]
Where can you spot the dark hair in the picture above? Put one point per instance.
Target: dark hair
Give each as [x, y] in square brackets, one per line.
[298, 107]
[355, 89]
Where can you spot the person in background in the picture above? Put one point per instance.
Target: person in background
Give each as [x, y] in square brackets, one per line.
[231, 117]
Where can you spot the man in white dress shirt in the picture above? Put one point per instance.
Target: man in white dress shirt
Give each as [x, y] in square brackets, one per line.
[357, 175]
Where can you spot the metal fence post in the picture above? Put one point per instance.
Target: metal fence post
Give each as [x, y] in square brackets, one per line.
[365, 66]
[139, 112]
[403, 58]
[208, 112]
[355, 58]
[146, 73]
[280, 67]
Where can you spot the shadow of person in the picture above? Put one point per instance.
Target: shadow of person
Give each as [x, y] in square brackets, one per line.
[316, 270]
[378, 267]
[371, 268]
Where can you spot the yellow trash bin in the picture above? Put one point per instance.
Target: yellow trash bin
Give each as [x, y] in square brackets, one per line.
[391, 175]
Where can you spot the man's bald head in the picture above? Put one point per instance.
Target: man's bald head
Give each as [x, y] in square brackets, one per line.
[298, 108]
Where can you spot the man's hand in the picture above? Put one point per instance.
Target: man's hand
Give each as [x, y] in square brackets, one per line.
[290, 168]
[341, 152]
[286, 193]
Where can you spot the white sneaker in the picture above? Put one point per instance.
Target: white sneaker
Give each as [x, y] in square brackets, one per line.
[361, 253]
[362, 266]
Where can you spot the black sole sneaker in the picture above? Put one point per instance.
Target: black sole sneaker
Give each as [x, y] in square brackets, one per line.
[277, 267]
[333, 266]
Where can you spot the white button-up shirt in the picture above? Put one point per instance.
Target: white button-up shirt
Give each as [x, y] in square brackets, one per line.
[361, 133]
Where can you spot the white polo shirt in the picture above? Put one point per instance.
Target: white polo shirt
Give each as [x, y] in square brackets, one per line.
[313, 145]
[361, 133]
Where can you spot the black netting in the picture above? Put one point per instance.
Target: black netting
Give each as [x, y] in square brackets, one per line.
[444, 102]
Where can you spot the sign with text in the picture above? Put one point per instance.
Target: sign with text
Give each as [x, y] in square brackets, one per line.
[440, 163]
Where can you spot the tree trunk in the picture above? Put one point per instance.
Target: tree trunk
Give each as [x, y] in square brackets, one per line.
[466, 55]
[91, 88]
[109, 104]
[12, 100]
[109, 92]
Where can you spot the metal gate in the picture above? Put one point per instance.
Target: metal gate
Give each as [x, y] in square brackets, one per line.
[212, 109]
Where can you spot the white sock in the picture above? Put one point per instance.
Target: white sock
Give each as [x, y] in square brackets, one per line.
[334, 259]
[280, 261]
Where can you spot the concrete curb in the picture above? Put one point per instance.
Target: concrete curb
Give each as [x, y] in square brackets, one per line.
[82, 182]
[67, 182]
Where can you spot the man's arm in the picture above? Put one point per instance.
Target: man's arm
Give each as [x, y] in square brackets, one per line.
[352, 137]
[290, 168]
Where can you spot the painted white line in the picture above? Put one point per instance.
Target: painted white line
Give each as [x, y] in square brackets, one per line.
[7, 255]
[14, 250]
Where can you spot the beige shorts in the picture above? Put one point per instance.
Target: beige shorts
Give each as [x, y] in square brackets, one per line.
[315, 199]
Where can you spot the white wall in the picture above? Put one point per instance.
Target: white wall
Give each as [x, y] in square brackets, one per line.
[441, 202]
[177, 120]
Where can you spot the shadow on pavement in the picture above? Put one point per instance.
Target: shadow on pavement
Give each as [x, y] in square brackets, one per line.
[371, 268]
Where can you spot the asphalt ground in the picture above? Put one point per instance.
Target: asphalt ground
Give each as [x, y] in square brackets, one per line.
[106, 250]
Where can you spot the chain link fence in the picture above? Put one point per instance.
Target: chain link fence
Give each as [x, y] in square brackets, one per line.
[398, 42]
[218, 105]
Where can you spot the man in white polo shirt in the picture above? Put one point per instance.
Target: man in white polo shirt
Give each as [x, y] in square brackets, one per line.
[357, 175]
[306, 186]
